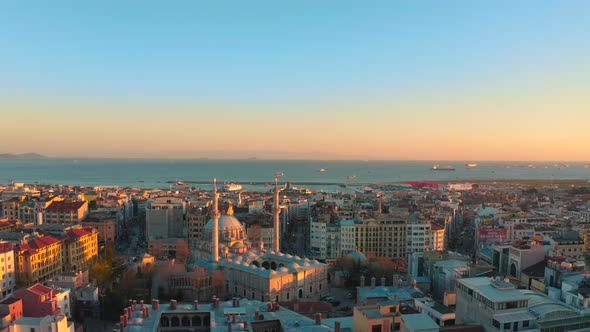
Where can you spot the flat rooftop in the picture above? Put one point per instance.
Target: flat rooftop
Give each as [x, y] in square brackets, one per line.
[417, 322]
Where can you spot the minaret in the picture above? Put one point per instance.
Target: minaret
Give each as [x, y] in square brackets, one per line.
[215, 216]
[277, 211]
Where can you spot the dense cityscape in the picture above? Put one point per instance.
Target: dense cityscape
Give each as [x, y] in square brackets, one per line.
[295, 166]
[419, 256]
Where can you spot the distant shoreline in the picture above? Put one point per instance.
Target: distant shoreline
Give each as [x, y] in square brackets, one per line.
[522, 182]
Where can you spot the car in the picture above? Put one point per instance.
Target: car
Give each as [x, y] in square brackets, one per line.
[328, 298]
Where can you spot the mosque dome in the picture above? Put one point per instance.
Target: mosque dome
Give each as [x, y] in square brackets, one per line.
[226, 222]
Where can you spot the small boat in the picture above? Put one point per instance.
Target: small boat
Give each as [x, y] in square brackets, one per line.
[442, 168]
[322, 170]
[471, 165]
[232, 187]
[180, 183]
[351, 177]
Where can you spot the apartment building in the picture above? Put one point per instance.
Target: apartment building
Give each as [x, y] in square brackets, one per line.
[39, 259]
[496, 304]
[106, 225]
[66, 212]
[7, 269]
[79, 248]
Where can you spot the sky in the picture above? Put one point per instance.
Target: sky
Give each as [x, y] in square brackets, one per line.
[383, 80]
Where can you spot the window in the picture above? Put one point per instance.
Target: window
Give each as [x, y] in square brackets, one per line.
[506, 326]
[525, 323]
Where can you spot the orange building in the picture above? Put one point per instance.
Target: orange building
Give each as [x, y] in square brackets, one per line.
[38, 260]
[105, 224]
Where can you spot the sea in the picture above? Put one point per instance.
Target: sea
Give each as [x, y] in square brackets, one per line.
[330, 175]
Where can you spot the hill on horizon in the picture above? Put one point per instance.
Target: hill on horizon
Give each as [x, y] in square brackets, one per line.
[28, 155]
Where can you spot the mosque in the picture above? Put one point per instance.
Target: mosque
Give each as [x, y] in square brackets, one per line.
[254, 273]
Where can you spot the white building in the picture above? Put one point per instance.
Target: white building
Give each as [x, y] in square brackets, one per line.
[495, 304]
[7, 266]
[317, 238]
[57, 323]
[417, 236]
[347, 230]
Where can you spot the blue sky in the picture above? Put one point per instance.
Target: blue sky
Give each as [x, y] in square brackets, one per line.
[305, 56]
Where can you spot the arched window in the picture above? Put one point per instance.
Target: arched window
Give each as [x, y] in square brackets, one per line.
[174, 322]
[266, 265]
[164, 322]
[513, 269]
[301, 293]
[207, 321]
[186, 321]
[273, 266]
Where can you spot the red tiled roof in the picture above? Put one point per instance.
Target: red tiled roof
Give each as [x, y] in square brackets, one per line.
[76, 232]
[435, 227]
[64, 206]
[42, 241]
[6, 247]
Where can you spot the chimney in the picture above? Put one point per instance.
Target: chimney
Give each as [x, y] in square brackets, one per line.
[269, 307]
[383, 281]
[121, 327]
[196, 304]
[172, 304]
[233, 317]
[147, 312]
[318, 319]
[134, 305]
[155, 304]
[256, 314]
[337, 326]
[126, 319]
[362, 281]
[122, 319]
[141, 304]
[373, 282]
[143, 314]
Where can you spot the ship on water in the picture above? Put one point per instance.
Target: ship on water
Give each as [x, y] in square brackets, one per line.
[471, 165]
[442, 168]
[232, 187]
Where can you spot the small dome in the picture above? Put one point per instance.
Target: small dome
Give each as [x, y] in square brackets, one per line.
[358, 257]
[225, 222]
[283, 269]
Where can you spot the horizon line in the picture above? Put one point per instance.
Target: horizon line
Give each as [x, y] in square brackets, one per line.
[294, 159]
